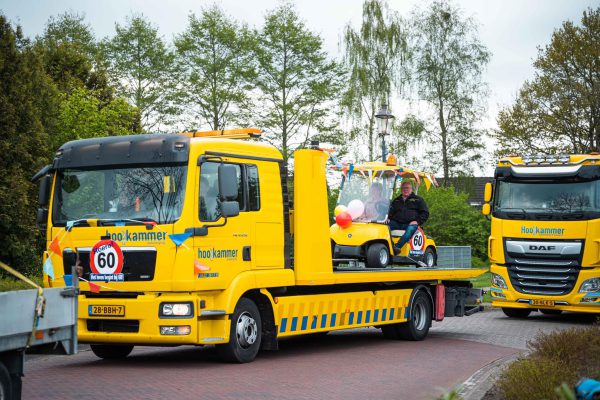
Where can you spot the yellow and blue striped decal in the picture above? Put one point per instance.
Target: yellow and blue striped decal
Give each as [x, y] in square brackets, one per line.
[325, 312]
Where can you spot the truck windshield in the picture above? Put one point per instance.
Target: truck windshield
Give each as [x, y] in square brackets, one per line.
[374, 194]
[141, 194]
[555, 200]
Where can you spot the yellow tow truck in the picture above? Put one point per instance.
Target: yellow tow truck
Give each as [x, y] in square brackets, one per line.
[544, 245]
[189, 239]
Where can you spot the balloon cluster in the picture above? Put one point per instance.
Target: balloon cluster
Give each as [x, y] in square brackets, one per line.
[344, 215]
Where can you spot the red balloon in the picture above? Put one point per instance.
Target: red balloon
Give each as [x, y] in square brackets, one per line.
[343, 219]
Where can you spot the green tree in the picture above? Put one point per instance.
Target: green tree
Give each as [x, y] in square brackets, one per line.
[296, 81]
[375, 55]
[453, 222]
[216, 54]
[28, 101]
[559, 110]
[142, 69]
[448, 63]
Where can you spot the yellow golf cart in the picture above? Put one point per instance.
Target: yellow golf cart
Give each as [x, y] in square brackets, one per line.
[360, 236]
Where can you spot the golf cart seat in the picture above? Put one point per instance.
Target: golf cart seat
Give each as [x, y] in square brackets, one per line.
[397, 233]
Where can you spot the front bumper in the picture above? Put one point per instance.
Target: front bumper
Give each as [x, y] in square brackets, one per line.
[573, 301]
[141, 322]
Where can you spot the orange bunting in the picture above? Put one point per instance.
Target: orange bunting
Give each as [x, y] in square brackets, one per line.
[199, 267]
[55, 247]
[417, 178]
[94, 288]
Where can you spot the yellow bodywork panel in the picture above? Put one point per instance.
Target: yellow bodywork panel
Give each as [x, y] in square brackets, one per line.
[317, 313]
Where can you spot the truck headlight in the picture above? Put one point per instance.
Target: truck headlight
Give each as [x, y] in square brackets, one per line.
[590, 286]
[498, 281]
[176, 310]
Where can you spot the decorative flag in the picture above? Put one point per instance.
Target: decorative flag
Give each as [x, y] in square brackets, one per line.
[120, 223]
[49, 268]
[417, 178]
[94, 288]
[350, 171]
[199, 267]
[370, 175]
[427, 183]
[434, 180]
[179, 238]
[55, 247]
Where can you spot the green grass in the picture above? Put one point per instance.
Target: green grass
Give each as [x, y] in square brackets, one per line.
[483, 280]
[7, 283]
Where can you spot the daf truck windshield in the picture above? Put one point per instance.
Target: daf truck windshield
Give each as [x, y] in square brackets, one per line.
[547, 200]
[126, 194]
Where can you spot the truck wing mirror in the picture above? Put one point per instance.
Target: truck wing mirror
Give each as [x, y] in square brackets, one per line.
[486, 209]
[44, 196]
[230, 208]
[487, 193]
[228, 182]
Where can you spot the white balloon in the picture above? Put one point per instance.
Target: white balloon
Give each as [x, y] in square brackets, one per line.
[356, 208]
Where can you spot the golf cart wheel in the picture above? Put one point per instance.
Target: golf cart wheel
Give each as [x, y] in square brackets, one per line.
[430, 258]
[378, 256]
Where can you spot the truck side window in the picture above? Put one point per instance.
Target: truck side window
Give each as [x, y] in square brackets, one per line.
[210, 201]
[253, 188]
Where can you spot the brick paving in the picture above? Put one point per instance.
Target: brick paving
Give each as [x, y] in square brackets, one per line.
[353, 364]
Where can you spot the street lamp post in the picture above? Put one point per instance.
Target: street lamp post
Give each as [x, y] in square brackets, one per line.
[385, 119]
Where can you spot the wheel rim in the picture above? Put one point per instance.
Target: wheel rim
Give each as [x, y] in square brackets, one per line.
[429, 259]
[419, 316]
[246, 330]
[383, 257]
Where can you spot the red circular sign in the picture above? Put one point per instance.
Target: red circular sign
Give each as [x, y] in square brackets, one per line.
[417, 241]
[106, 257]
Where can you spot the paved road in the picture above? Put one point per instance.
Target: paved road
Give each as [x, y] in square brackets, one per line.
[354, 364]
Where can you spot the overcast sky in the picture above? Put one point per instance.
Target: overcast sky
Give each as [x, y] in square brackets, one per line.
[511, 29]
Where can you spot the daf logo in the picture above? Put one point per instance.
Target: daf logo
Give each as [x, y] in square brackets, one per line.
[542, 248]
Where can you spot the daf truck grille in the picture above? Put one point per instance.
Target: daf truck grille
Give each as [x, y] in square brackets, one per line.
[138, 262]
[112, 325]
[543, 279]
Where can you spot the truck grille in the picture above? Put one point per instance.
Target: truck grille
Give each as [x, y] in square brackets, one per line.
[543, 279]
[111, 325]
[543, 267]
[138, 262]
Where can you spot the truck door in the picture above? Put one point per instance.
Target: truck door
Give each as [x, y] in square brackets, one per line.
[226, 249]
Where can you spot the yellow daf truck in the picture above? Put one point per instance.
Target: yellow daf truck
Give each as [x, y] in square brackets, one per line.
[189, 239]
[544, 245]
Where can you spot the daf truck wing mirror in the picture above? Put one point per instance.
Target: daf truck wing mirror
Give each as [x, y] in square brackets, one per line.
[487, 193]
[44, 195]
[230, 209]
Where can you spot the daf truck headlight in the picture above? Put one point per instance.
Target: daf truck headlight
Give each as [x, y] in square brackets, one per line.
[498, 281]
[590, 286]
[176, 310]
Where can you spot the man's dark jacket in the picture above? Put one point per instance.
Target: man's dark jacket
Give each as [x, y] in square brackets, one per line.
[413, 209]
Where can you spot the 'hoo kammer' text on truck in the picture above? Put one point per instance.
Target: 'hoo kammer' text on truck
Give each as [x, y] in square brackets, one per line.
[189, 239]
[545, 234]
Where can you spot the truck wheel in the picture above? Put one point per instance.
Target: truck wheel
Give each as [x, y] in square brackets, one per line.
[516, 312]
[5, 384]
[111, 351]
[551, 312]
[417, 327]
[245, 334]
[378, 256]
[430, 258]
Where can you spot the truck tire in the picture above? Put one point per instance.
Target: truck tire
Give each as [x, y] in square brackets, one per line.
[516, 312]
[244, 335]
[430, 258]
[378, 256]
[111, 351]
[5, 384]
[417, 327]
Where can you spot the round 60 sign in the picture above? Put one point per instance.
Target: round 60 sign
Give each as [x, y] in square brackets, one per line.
[106, 257]
[417, 241]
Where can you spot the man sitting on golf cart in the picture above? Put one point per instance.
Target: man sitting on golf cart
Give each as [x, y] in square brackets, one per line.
[407, 212]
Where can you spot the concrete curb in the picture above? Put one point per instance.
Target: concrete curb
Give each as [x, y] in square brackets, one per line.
[481, 381]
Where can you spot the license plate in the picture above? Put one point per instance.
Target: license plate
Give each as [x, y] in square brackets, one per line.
[546, 303]
[111, 311]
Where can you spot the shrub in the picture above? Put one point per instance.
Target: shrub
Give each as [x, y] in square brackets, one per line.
[555, 358]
